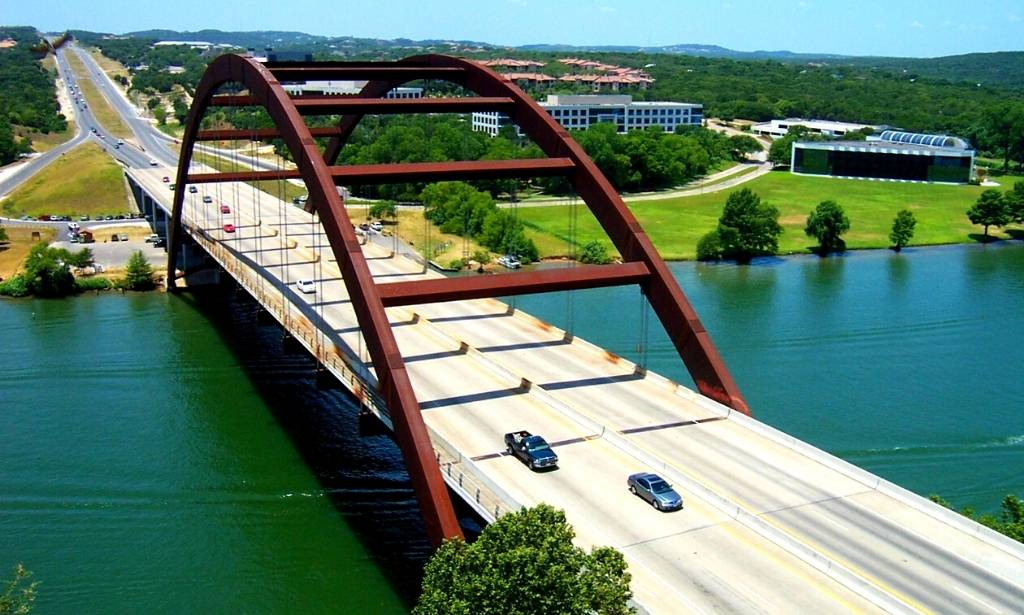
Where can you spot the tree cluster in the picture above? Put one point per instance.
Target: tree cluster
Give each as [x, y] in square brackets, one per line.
[525, 563]
[995, 208]
[1009, 521]
[827, 223]
[461, 209]
[28, 96]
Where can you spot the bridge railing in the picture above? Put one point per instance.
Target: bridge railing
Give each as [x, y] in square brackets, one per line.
[460, 472]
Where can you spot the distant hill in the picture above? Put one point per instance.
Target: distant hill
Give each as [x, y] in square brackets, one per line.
[1000, 69]
[704, 51]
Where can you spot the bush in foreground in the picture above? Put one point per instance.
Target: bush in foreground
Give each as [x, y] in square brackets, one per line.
[1009, 521]
[594, 253]
[85, 284]
[525, 562]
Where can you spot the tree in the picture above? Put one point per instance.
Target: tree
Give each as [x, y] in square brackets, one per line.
[383, 209]
[19, 594]
[81, 258]
[827, 223]
[742, 145]
[989, 210]
[748, 227]
[161, 115]
[153, 102]
[902, 229]
[3, 233]
[525, 562]
[1015, 202]
[46, 272]
[780, 153]
[138, 273]
[594, 253]
[1009, 522]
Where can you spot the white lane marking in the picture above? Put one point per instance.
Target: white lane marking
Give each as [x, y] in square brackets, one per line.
[978, 600]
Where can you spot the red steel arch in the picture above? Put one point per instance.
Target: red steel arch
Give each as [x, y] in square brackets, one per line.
[642, 264]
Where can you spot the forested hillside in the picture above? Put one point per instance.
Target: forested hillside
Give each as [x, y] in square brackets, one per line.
[27, 92]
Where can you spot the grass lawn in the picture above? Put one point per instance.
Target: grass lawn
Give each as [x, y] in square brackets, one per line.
[44, 142]
[13, 252]
[110, 66]
[444, 247]
[105, 114]
[675, 225]
[83, 181]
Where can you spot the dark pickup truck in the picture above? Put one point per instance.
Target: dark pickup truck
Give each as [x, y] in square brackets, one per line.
[532, 450]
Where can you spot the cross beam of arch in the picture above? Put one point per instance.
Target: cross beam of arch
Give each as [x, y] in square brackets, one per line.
[642, 265]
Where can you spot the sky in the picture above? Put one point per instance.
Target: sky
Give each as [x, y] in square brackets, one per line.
[863, 27]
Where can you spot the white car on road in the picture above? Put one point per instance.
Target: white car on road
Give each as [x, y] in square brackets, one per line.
[306, 286]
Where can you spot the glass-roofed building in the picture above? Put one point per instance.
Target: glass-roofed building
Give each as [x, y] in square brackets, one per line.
[891, 156]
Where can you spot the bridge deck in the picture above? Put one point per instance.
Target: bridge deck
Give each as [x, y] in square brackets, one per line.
[770, 524]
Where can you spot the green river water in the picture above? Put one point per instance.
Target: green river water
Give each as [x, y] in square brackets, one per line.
[160, 454]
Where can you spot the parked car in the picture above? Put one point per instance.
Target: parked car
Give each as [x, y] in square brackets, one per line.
[107, 217]
[73, 226]
[534, 451]
[376, 226]
[152, 238]
[229, 228]
[224, 209]
[509, 261]
[84, 218]
[207, 198]
[160, 242]
[72, 238]
[306, 286]
[653, 489]
[124, 236]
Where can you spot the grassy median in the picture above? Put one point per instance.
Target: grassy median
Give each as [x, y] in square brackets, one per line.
[675, 225]
[101, 109]
[83, 181]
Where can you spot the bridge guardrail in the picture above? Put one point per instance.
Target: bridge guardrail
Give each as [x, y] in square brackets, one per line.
[459, 471]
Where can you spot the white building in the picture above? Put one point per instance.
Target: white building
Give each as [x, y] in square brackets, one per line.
[777, 129]
[345, 88]
[579, 112]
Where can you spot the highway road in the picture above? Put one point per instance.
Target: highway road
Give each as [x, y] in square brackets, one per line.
[770, 525]
[607, 423]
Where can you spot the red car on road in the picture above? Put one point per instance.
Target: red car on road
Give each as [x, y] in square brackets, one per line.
[167, 180]
[229, 228]
[224, 209]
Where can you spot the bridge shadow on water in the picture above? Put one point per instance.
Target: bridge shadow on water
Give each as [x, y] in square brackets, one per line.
[355, 459]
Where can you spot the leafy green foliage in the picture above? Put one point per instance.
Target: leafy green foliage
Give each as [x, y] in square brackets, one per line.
[902, 229]
[1015, 202]
[742, 145]
[780, 153]
[1009, 521]
[827, 223]
[19, 593]
[27, 93]
[525, 563]
[461, 209]
[80, 258]
[85, 284]
[3, 233]
[383, 209]
[709, 248]
[594, 253]
[748, 227]
[47, 272]
[991, 209]
[15, 286]
[138, 273]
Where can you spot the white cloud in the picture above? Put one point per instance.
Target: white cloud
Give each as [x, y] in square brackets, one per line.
[607, 9]
[1013, 18]
[917, 24]
[803, 4]
[727, 6]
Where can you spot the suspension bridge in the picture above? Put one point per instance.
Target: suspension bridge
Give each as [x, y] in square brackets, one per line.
[771, 524]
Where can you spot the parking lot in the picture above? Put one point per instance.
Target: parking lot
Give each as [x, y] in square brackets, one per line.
[115, 254]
